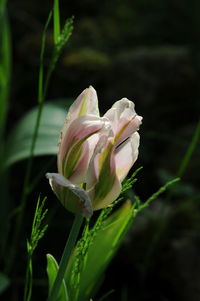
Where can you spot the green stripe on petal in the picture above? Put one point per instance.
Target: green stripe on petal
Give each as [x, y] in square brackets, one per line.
[79, 131]
[107, 187]
[106, 176]
[72, 160]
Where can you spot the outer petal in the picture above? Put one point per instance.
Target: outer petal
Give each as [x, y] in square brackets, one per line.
[126, 155]
[105, 186]
[72, 150]
[86, 103]
[73, 198]
[124, 119]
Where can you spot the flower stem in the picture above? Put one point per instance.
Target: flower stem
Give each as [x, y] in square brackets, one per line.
[28, 279]
[65, 257]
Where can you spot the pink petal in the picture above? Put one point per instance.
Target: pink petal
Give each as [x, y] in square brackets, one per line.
[72, 143]
[118, 110]
[126, 155]
[103, 184]
[124, 119]
[86, 103]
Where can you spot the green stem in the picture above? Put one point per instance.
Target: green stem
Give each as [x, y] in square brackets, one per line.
[65, 257]
[187, 157]
[28, 281]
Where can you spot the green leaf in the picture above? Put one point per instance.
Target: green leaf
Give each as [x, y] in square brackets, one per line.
[4, 282]
[99, 254]
[19, 142]
[52, 269]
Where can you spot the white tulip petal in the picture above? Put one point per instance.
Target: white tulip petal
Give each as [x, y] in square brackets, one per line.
[126, 155]
[124, 119]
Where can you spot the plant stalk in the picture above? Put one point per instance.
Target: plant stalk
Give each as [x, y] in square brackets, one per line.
[65, 257]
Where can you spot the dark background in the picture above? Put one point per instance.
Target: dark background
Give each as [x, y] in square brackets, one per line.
[149, 52]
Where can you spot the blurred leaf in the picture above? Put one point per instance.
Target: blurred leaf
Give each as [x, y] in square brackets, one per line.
[2, 5]
[52, 269]
[4, 282]
[5, 60]
[19, 142]
[99, 254]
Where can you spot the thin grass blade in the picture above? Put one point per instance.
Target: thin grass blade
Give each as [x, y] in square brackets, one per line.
[56, 21]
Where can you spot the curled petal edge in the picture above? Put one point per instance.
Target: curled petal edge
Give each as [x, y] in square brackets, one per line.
[85, 202]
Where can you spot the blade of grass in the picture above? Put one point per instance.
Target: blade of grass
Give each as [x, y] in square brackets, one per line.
[56, 21]
[157, 193]
[188, 154]
[24, 195]
[38, 231]
[62, 40]
[104, 297]
[187, 157]
[41, 70]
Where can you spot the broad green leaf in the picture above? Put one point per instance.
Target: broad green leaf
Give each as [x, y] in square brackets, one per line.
[52, 269]
[19, 142]
[99, 254]
[4, 282]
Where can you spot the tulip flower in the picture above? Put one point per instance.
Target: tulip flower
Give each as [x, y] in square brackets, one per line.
[95, 153]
